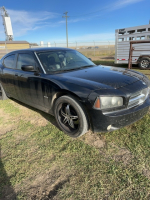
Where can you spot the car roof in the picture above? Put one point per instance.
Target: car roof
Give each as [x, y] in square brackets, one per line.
[39, 49]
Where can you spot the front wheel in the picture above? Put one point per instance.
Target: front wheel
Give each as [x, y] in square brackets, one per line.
[71, 116]
[144, 63]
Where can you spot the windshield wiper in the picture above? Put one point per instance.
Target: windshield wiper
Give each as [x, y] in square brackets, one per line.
[73, 69]
[86, 66]
[65, 70]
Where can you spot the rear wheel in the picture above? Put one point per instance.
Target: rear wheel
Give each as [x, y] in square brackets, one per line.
[2, 93]
[144, 63]
[71, 116]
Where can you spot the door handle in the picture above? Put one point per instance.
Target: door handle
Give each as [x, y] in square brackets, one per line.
[16, 74]
[21, 75]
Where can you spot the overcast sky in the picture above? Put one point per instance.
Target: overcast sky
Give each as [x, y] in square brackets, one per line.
[36, 20]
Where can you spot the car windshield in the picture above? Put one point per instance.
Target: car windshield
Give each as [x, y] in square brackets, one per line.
[63, 60]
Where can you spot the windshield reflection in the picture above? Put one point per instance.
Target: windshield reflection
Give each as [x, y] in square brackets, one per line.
[62, 60]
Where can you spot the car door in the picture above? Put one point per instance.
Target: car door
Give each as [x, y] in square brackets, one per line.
[8, 75]
[30, 85]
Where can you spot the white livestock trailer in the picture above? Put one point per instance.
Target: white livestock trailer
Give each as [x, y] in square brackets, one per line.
[141, 55]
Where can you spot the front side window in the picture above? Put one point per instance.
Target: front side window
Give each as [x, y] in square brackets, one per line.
[55, 61]
[25, 59]
[9, 61]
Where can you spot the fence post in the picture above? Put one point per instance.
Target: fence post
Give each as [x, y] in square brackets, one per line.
[130, 57]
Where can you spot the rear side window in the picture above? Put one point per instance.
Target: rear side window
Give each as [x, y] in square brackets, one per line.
[9, 61]
[25, 59]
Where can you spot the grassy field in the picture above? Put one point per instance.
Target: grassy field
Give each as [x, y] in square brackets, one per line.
[39, 162]
[98, 52]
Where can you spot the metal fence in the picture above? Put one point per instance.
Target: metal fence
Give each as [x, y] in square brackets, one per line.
[89, 49]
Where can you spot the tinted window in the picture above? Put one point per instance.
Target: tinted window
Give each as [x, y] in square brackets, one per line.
[63, 60]
[25, 59]
[9, 61]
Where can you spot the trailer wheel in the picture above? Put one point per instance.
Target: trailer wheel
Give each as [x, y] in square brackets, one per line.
[144, 63]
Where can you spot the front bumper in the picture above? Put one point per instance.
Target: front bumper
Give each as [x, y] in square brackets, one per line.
[102, 122]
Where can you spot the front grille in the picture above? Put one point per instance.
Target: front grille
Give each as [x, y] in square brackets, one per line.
[138, 98]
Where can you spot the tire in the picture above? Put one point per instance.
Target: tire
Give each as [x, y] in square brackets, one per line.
[2, 93]
[71, 116]
[144, 63]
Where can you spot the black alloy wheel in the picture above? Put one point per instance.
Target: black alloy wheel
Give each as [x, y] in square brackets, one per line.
[70, 116]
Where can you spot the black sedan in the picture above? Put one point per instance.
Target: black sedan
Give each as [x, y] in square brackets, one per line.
[80, 95]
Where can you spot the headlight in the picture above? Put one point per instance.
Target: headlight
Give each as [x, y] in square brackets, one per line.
[108, 102]
[145, 92]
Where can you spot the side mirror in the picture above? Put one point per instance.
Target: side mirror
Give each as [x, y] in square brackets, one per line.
[90, 59]
[28, 68]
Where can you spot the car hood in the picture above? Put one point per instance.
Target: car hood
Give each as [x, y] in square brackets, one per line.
[101, 77]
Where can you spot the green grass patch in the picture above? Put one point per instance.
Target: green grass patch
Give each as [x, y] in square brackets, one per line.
[9, 108]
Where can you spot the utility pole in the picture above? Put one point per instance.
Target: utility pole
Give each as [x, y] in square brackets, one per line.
[66, 27]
